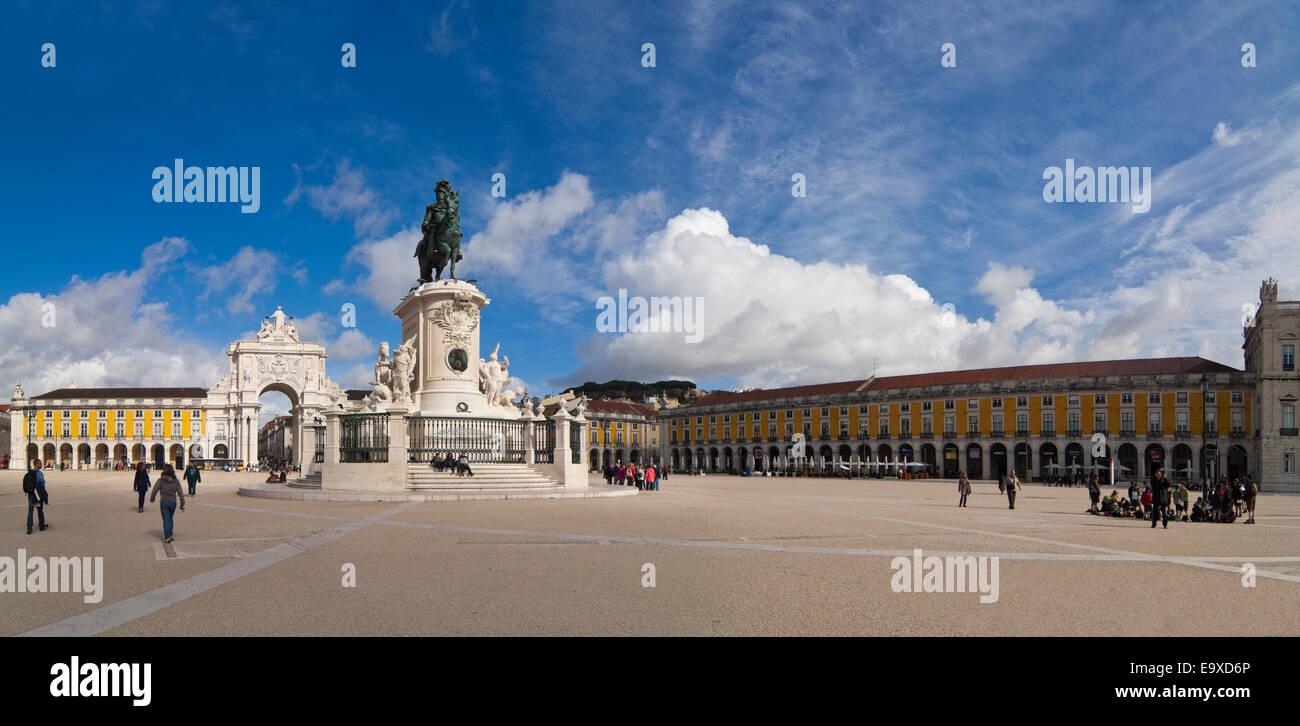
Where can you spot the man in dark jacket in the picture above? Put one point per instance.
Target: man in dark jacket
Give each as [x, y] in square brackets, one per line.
[141, 484]
[192, 477]
[37, 497]
[1159, 498]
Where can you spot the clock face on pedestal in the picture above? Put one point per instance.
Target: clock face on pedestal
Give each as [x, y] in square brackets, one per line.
[458, 360]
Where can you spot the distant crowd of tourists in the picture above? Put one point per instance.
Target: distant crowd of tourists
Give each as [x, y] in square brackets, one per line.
[1227, 501]
[644, 478]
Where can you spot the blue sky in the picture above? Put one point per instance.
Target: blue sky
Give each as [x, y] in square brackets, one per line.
[924, 183]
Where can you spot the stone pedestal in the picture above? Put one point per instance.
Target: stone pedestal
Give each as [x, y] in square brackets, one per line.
[443, 317]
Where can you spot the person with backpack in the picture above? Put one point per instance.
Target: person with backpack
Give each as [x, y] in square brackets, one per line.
[192, 477]
[170, 489]
[1251, 491]
[37, 497]
[142, 484]
[638, 476]
[1094, 494]
[1013, 486]
[1159, 498]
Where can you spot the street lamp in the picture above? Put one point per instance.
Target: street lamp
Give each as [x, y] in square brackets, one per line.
[1205, 481]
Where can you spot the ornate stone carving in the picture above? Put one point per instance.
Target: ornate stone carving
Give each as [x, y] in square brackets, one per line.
[402, 371]
[393, 375]
[494, 376]
[458, 319]
[278, 328]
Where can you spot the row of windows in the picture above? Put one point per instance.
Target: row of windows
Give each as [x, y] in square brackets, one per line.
[61, 413]
[1074, 424]
[1180, 397]
[83, 430]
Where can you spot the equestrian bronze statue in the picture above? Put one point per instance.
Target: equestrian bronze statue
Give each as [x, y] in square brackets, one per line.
[440, 235]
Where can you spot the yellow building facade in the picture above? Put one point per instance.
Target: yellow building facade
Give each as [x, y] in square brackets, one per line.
[1038, 420]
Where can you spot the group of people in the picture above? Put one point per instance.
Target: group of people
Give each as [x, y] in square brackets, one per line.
[168, 487]
[644, 478]
[1069, 480]
[1160, 500]
[278, 475]
[1227, 502]
[457, 464]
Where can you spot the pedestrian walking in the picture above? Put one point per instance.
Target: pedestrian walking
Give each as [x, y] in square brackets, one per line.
[1013, 486]
[192, 477]
[170, 489]
[651, 479]
[1251, 491]
[963, 488]
[141, 485]
[1159, 498]
[1180, 501]
[37, 496]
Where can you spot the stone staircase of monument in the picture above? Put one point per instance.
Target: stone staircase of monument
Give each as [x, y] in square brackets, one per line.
[487, 477]
[311, 481]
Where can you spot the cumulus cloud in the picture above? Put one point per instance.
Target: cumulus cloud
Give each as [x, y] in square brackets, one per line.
[387, 268]
[773, 320]
[109, 331]
[250, 273]
[347, 196]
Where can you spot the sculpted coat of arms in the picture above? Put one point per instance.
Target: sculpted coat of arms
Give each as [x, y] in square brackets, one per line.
[458, 319]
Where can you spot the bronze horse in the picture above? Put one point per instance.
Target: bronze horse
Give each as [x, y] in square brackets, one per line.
[439, 246]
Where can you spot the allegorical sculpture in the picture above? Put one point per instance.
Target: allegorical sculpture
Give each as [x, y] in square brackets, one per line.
[393, 375]
[278, 328]
[440, 235]
[494, 376]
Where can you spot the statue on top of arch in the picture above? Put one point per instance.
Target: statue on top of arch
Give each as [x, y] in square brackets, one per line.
[278, 327]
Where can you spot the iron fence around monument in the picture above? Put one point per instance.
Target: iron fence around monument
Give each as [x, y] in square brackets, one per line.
[320, 444]
[544, 441]
[575, 442]
[483, 440]
[363, 438]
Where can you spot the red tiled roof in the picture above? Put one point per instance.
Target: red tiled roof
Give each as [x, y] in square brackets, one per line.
[624, 407]
[86, 393]
[1087, 369]
[760, 394]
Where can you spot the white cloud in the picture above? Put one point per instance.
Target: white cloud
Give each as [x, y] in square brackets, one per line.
[250, 273]
[108, 331]
[387, 267]
[510, 242]
[1224, 136]
[350, 344]
[347, 196]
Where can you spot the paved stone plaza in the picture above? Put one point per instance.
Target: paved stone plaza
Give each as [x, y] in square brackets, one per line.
[731, 556]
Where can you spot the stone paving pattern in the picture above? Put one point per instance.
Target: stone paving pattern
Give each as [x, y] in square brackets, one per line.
[732, 556]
